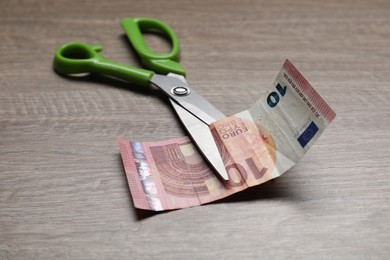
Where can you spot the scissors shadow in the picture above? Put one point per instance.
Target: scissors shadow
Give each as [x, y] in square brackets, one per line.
[104, 80]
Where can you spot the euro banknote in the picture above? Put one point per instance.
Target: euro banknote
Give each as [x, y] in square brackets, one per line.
[256, 145]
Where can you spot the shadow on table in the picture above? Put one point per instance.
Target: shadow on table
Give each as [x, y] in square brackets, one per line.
[274, 189]
[108, 81]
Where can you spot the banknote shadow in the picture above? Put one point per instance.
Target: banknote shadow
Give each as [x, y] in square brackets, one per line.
[273, 189]
[276, 189]
[281, 188]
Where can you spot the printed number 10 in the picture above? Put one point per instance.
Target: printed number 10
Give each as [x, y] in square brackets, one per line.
[273, 97]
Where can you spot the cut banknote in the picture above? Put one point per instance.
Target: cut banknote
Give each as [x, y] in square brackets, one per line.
[256, 145]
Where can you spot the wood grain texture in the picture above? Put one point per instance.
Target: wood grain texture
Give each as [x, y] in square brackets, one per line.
[63, 192]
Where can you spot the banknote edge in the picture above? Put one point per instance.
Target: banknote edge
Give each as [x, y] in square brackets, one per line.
[310, 93]
[134, 184]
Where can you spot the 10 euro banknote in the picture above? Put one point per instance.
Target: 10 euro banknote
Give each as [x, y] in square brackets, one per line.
[256, 145]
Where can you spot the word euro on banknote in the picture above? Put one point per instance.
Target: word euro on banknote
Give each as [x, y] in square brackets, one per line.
[256, 145]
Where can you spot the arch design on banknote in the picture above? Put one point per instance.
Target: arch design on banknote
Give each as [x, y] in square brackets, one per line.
[182, 170]
[249, 157]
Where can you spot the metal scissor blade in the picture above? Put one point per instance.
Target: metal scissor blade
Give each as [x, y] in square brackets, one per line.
[191, 101]
[203, 139]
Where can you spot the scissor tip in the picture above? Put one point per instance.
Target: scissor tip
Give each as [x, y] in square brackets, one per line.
[223, 173]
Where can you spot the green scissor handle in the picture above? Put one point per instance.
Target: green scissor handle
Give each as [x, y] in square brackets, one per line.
[78, 57]
[162, 63]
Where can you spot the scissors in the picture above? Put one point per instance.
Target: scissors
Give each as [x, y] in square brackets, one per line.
[162, 70]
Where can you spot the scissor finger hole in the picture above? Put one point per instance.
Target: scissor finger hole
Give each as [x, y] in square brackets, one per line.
[157, 41]
[76, 53]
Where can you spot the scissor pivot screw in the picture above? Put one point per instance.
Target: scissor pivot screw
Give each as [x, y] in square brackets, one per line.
[180, 91]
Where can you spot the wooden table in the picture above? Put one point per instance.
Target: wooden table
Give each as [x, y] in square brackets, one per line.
[63, 192]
